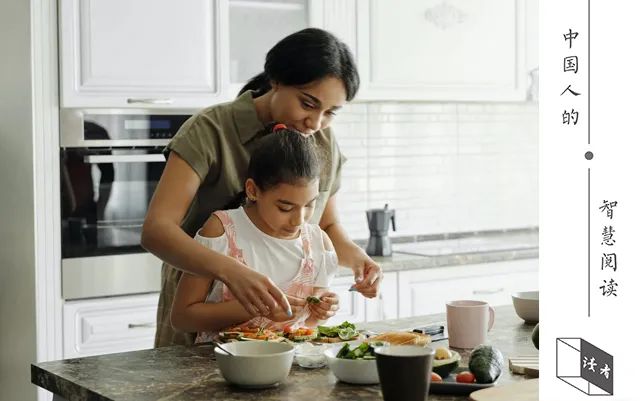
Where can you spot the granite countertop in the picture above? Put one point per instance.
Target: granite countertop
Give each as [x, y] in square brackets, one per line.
[457, 249]
[191, 373]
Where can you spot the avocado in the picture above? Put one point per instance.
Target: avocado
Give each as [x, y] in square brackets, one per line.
[535, 335]
[486, 363]
[444, 367]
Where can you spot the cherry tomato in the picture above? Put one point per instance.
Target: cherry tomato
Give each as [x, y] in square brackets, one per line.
[465, 377]
[435, 377]
[287, 329]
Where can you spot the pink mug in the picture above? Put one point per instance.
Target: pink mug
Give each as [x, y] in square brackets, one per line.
[468, 323]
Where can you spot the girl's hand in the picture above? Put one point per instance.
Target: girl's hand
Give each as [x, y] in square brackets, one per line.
[329, 304]
[297, 306]
[255, 292]
[368, 275]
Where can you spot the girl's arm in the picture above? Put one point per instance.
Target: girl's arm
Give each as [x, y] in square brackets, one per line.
[163, 236]
[329, 301]
[189, 312]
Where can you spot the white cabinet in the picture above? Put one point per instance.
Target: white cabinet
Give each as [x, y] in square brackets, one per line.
[456, 50]
[104, 326]
[255, 26]
[426, 291]
[352, 304]
[165, 53]
[355, 308]
[168, 53]
[159, 53]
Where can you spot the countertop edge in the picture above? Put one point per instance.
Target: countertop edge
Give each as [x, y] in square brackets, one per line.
[58, 385]
[416, 262]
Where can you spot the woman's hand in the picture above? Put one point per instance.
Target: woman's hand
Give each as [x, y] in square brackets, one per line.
[367, 274]
[255, 292]
[329, 304]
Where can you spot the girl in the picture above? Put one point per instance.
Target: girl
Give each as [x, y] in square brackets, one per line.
[308, 76]
[271, 233]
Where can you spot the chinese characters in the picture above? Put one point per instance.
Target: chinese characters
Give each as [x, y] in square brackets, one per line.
[609, 259]
[570, 117]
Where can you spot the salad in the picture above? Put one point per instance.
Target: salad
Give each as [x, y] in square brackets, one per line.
[362, 351]
[344, 331]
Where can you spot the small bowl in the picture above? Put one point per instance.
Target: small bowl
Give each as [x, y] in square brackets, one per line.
[355, 371]
[255, 364]
[310, 356]
[526, 305]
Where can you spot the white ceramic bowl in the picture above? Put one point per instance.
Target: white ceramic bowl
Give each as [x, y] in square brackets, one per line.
[526, 305]
[356, 371]
[311, 356]
[256, 364]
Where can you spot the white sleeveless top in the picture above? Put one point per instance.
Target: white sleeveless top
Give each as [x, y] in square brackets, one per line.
[278, 259]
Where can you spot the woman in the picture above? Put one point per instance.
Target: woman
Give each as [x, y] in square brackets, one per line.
[308, 76]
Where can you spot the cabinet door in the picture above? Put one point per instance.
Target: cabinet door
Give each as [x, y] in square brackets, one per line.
[104, 326]
[255, 27]
[427, 291]
[159, 53]
[457, 50]
[352, 304]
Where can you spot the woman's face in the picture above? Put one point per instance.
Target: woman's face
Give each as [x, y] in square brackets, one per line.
[283, 209]
[307, 108]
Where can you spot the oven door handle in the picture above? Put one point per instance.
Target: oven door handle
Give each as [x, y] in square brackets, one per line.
[154, 157]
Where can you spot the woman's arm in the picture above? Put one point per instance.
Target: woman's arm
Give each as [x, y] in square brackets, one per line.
[163, 236]
[367, 273]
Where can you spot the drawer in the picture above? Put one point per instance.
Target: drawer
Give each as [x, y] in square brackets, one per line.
[103, 326]
[427, 291]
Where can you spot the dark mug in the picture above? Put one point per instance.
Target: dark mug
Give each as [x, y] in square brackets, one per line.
[404, 371]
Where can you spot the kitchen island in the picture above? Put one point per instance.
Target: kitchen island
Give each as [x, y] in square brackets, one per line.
[191, 373]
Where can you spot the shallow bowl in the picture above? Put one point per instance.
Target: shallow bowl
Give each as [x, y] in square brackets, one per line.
[526, 305]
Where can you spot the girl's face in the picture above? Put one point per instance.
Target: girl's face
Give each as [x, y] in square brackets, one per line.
[307, 108]
[283, 209]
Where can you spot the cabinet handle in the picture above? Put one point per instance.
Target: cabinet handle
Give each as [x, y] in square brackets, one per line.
[149, 100]
[484, 292]
[149, 325]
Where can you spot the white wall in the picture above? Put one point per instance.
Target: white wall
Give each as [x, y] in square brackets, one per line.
[17, 255]
[444, 167]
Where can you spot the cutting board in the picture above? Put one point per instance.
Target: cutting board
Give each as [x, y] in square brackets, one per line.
[525, 365]
[526, 390]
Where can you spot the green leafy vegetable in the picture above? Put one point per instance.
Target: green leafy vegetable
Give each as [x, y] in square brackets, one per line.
[362, 351]
[347, 333]
[334, 331]
[313, 300]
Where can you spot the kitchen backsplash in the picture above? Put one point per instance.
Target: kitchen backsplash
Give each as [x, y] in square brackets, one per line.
[449, 167]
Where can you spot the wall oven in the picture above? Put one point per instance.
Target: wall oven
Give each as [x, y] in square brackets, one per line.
[110, 164]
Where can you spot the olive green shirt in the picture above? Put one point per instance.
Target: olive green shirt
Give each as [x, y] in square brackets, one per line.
[217, 143]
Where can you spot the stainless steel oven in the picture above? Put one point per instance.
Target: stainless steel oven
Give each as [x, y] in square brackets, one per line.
[110, 164]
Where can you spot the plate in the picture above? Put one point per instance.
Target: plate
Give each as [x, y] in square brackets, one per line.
[449, 385]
